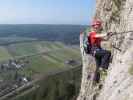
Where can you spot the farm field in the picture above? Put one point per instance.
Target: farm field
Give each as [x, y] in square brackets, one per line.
[43, 56]
[39, 62]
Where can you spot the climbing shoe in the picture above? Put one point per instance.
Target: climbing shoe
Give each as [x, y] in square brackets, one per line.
[103, 73]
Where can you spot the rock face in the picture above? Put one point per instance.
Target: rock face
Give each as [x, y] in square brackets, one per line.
[87, 89]
[117, 16]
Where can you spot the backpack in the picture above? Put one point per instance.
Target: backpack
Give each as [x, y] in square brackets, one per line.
[86, 43]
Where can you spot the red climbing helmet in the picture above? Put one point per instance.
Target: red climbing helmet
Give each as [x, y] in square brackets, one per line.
[96, 24]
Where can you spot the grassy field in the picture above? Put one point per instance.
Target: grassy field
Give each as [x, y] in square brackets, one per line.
[4, 54]
[45, 59]
[22, 49]
[54, 57]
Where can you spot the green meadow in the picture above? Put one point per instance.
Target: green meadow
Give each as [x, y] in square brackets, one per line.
[43, 56]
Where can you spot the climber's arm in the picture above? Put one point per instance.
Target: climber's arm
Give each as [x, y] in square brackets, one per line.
[100, 35]
[105, 36]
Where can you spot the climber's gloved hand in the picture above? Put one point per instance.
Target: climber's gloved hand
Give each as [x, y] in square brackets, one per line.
[109, 34]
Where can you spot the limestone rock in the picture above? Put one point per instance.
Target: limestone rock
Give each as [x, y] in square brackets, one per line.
[117, 16]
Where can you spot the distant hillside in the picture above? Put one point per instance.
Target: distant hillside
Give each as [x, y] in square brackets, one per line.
[65, 33]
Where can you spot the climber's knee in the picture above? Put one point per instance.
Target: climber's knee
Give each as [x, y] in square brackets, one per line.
[108, 54]
[105, 59]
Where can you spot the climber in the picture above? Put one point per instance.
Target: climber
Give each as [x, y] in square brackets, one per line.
[95, 40]
[101, 55]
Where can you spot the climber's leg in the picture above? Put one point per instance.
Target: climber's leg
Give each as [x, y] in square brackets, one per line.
[98, 61]
[105, 57]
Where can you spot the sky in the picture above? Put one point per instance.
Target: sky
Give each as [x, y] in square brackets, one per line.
[46, 11]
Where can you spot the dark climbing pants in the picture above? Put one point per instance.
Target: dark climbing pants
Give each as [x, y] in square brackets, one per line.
[102, 57]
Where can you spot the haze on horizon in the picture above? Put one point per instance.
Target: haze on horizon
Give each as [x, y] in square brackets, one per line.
[46, 11]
